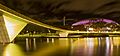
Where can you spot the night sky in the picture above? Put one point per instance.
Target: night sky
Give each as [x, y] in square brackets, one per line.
[77, 9]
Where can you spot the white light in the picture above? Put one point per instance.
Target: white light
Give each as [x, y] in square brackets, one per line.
[90, 28]
[108, 28]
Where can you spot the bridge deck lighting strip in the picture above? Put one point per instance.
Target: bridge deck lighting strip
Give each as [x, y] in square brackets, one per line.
[11, 12]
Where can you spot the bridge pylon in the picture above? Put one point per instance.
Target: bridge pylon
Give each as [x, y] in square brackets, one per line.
[10, 27]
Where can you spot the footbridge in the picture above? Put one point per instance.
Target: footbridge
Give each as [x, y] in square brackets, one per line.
[12, 23]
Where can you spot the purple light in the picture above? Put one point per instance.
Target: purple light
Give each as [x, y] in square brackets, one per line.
[93, 21]
[81, 22]
[108, 21]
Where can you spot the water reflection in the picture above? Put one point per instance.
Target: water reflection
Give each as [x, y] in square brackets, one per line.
[97, 47]
[88, 46]
[13, 50]
[85, 47]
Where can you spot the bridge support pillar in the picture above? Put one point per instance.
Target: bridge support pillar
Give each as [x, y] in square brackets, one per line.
[63, 34]
[10, 27]
[4, 37]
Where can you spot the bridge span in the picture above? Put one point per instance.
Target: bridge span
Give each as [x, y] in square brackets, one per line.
[13, 22]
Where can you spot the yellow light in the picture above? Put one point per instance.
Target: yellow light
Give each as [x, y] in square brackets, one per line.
[10, 26]
[116, 41]
[13, 50]
[13, 26]
[49, 49]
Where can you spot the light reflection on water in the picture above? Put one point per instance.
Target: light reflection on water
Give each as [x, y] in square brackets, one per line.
[13, 50]
[97, 47]
[102, 46]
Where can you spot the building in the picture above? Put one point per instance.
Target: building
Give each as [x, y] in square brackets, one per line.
[97, 24]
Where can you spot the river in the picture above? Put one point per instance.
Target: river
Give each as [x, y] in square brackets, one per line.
[87, 46]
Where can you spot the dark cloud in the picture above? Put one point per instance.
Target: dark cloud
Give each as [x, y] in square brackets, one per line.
[102, 8]
[85, 5]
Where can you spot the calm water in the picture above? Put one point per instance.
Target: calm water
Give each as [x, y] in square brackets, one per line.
[92, 46]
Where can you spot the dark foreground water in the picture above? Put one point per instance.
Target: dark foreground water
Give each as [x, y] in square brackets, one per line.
[92, 46]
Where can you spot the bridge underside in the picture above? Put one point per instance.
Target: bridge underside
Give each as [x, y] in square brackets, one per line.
[13, 22]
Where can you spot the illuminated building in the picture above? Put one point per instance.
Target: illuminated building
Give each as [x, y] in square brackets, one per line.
[98, 24]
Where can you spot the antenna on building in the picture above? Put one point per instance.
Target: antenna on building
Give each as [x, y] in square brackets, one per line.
[64, 21]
